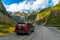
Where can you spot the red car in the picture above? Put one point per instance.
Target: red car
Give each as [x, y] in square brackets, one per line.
[24, 28]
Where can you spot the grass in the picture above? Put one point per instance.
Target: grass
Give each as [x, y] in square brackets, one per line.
[6, 28]
[7, 31]
[54, 22]
[58, 28]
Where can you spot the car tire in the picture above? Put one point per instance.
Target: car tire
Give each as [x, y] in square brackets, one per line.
[32, 30]
[29, 32]
[18, 33]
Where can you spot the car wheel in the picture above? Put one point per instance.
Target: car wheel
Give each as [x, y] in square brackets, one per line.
[18, 33]
[29, 32]
[32, 30]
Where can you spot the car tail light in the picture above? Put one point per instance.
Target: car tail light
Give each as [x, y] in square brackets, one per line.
[16, 28]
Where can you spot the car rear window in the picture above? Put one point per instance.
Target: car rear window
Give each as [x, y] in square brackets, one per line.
[21, 24]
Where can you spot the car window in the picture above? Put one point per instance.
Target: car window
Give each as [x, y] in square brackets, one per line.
[21, 24]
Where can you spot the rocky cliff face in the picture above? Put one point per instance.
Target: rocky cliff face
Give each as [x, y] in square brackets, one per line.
[55, 13]
[54, 18]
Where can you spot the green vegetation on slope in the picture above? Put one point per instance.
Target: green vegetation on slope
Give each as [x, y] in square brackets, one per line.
[5, 20]
[48, 13]
[6, 23]
[4, 16]
[54, 18]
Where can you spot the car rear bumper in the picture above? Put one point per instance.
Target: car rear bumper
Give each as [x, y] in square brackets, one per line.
[19, 31]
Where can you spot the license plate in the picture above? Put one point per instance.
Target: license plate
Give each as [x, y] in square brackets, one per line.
[19, 27]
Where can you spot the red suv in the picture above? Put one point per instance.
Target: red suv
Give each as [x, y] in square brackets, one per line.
[24, 28]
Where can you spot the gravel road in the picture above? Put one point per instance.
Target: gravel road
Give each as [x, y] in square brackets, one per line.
[41, 33]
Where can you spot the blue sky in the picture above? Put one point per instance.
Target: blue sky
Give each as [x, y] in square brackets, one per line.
[8, 2]
[28, 5]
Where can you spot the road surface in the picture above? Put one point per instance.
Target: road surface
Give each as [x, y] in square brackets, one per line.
[41, 33]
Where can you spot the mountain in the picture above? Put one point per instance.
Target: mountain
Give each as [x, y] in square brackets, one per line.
[54, 18]
[3, 10]
[19, 17]
[5, 18]
[49, 16]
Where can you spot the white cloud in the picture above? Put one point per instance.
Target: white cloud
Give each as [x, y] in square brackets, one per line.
[39, 4]
[25, 5]
[55, 1]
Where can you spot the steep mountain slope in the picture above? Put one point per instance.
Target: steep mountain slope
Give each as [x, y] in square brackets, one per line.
[44, 15]
[5, 18]
[54, 18]
[3, 10]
